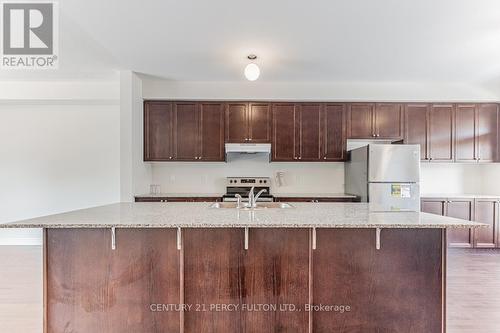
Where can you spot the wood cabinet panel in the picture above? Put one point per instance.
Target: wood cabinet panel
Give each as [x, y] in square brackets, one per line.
[186, 131]
[417, 127]
[178, 199]
[389, 121]
[211, 132]
[91, 288]
[212, 275]
[237, 122]
[334, 133]
[487, 133]
[284, 136]
[433, 206]
[276, 272]
[441, 133]
[486, 211]
[388, 290]
[460, 209]
[309, 128]
[360, 121]
[158, 131]
[315, 199]
[259, 122]
[465, 133]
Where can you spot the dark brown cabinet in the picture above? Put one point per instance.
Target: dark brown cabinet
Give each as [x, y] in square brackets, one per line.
[476, 133]
[460, 209]
[316, 199]
[333, 130]
[487, 133]
[484, 210]
[284, 133]
[417, 128]
[183, 131]
[248, 122]
[441, 133]
[487, 212]
[308, 132]
[177, 199]
[375, 120]
[158, 131]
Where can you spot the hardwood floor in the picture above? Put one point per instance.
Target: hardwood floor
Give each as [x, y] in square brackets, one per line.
[473, 290]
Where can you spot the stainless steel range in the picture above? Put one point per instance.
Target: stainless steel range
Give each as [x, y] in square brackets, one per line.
[243, 185]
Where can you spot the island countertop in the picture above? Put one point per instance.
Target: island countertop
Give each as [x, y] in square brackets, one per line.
[199, 215]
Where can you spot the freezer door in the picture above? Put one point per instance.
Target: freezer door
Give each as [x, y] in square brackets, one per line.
[393, 197]
[394, 163]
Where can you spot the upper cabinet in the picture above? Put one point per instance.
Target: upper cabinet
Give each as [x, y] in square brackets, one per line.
[334, 132]
[487, 133]
[417, 128]
[158, 131]
[248, 123]
[197, 131]
[375, 121]
[308, 132]
[183, 131]
[441, 128]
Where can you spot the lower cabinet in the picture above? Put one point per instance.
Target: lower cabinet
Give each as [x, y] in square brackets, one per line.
[315, 199]
[92, 288]
[178, 199]
[215, 280]
[479, 210]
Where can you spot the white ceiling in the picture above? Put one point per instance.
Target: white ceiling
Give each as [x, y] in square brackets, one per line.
[306, 41]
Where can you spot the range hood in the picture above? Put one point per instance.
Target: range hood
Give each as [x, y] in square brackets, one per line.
[248, 148]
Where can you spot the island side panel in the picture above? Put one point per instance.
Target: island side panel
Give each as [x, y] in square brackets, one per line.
[92, 288]
[276, 273]
[398, 288]
[213, 268]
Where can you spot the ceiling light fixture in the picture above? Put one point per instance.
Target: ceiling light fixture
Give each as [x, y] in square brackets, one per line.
[252, 71]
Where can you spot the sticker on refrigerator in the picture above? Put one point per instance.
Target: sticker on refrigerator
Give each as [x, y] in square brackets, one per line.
[401, 191]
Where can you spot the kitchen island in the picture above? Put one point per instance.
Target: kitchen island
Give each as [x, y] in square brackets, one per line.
[185, 267]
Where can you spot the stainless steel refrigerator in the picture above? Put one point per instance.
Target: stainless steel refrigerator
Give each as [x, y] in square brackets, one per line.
[387, 176]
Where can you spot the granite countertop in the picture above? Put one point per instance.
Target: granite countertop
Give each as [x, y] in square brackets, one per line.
[458, 196]
[180, 195]
[313, 195]
[190, 215]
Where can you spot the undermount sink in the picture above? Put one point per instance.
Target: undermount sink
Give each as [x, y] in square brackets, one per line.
[260, 205]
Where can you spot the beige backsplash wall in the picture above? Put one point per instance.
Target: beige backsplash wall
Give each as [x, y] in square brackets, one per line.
[446, 178]
[180, 177]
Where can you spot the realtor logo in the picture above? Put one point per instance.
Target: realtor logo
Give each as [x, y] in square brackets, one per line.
[30, 35]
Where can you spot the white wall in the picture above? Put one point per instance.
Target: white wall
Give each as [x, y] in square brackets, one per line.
[451, 178]
[59, 151]
[321, 91]
[181, 177]
[490, 179]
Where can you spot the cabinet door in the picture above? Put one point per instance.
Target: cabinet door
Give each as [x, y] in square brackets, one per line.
[92, 288]
[416, 125]
[389, 121]
[237, 123]
[276, 272]
[212, 131]
[284, 138]
[460, 209]
[186, 131]
[433, 206]
[309, 128]
[487, 133]
[360, 121]
[465, 133]
[397, 288]
[212, 275]
[259, 122]
[334, 138]
[441, 133]
[486, 211]
[158, 133]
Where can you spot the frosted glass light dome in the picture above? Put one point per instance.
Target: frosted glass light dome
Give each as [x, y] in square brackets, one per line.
[252, 72]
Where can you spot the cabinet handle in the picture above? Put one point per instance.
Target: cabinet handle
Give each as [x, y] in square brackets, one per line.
[300, 157]
[324, 158]
[378, 135]
[249, 139]
[374, 135]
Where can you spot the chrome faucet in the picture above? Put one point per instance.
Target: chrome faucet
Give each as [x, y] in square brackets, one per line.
[238, 196]
[252, 197]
